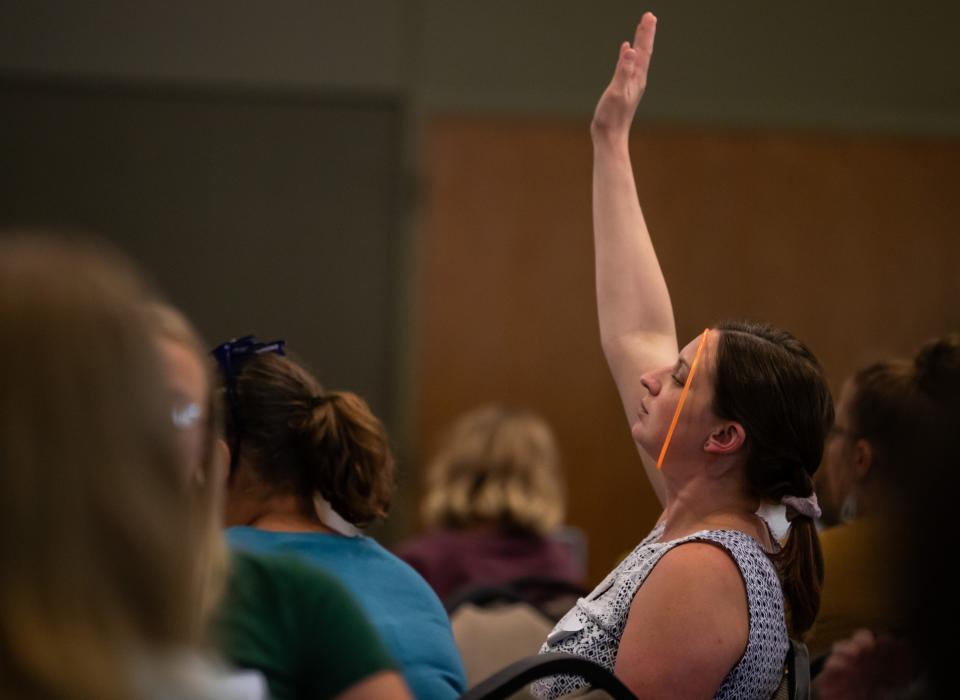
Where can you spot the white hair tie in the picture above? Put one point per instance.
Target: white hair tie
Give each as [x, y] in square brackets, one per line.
[807, 507]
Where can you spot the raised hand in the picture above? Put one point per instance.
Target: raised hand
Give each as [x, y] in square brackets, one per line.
[618, 104]
[637, 329]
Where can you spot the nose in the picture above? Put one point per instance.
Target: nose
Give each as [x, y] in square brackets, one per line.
[650, 383]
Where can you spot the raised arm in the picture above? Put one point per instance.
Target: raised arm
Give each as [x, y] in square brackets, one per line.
[636, 317]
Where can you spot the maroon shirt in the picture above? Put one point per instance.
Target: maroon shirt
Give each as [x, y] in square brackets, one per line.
[451, 560]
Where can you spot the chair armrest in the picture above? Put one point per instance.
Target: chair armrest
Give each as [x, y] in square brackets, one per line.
[509, 680]
[799, 670]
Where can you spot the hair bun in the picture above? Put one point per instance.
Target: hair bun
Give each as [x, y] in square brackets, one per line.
[322, 399]
[937, 367]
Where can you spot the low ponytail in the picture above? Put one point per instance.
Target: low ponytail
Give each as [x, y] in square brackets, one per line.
[300, 439]
[347, 457]
[799, 561]
[772, 384]
[800, 565]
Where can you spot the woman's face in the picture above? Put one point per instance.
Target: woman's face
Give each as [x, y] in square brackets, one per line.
[656, 409]
[189, 386]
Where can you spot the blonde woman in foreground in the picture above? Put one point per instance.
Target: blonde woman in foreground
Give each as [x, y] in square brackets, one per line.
[111, 480]
[107, 570]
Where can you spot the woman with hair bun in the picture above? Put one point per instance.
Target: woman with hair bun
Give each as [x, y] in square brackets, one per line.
[292, 441]
[861, 486]
[734, 419]
[292, 622]
[883, 618]
[931, 490]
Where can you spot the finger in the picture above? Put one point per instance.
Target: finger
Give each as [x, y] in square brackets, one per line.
[643, 43]
[646, 31]
[626, 67]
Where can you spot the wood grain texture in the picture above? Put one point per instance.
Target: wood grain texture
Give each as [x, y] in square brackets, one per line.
[848, 241]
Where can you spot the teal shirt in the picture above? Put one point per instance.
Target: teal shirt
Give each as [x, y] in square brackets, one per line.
[298, 626]
[403, 609]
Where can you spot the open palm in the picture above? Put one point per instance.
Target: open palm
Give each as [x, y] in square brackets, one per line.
[619, 101]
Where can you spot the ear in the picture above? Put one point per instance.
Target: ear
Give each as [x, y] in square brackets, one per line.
[862, 458]
[726, 439]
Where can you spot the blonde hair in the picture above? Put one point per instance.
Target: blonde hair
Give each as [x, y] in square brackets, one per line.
[496, 465]
[95, 515]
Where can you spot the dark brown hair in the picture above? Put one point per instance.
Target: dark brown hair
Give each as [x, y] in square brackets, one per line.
[877, 405]
[929, 487]
[894, 403]
[937, 374]
[770, 383]
[302, 439]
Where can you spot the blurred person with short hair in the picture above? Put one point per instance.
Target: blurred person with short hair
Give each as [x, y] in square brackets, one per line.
[494, 494]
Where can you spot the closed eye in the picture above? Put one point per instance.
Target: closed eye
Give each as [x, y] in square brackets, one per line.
[677, 380]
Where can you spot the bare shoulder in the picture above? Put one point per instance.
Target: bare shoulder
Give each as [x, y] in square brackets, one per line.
[692, 560]
[690, 612]
[692, 576]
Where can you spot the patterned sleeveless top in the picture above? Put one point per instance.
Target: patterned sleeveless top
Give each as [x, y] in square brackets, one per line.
[593, 627]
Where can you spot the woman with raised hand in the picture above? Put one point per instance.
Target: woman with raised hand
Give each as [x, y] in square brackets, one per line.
[735, 419]
[292, 443]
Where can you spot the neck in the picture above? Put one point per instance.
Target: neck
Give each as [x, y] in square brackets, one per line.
[251, 503]
[288, 522]
[703, 502]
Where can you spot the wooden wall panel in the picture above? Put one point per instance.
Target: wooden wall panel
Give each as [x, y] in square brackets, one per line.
[849, 241]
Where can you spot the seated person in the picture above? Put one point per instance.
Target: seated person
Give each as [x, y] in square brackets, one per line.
[494, 494]
[303, 630]
[915, 658]
[292, 622]
[737, 418]
[858, 489]
[291, 441]
[106, 581]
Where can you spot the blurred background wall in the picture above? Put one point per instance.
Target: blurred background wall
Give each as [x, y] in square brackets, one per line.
[401, 188]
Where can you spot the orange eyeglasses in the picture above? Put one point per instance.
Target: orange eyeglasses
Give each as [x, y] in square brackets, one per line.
[683, 397]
